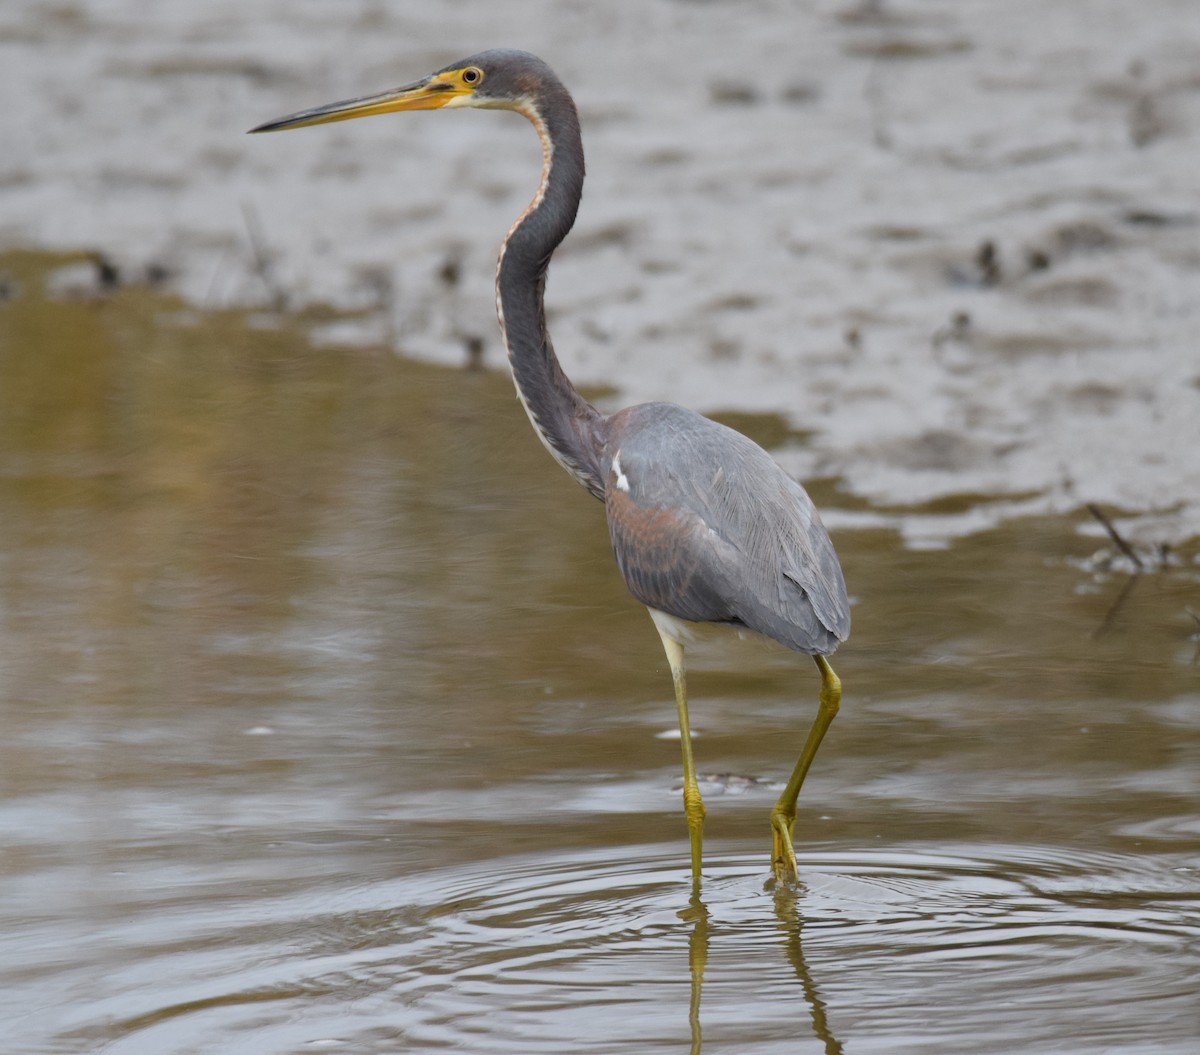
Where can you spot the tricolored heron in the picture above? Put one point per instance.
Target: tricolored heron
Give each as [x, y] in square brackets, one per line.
[705, 526]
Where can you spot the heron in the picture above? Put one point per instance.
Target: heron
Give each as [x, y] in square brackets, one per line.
[705, 526]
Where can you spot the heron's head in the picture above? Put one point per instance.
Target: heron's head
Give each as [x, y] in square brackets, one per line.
[498, 79]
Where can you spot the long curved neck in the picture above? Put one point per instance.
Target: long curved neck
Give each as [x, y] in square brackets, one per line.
[566, 423]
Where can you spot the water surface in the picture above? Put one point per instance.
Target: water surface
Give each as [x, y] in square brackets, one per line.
[328, 725]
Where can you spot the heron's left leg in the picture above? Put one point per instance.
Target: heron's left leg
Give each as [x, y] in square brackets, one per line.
[783, 816]
[693, 804]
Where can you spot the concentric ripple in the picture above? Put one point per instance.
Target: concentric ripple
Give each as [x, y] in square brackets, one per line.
[1003, 949]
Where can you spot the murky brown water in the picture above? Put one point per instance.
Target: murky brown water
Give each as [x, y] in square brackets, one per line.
[327, 725]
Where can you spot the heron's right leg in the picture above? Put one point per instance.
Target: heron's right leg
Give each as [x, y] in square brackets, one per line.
[693, 804]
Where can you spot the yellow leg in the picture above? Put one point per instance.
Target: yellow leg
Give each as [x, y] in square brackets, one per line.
[693, 804]
[783, 816]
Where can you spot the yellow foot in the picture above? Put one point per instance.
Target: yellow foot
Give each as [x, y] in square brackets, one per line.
[783, 856]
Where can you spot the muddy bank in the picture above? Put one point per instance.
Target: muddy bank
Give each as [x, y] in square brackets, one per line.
[957, 247]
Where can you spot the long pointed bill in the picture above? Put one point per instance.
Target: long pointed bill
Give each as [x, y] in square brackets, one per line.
[430, 94]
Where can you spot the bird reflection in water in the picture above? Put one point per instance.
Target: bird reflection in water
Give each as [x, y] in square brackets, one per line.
[791, 926]
[705, 526]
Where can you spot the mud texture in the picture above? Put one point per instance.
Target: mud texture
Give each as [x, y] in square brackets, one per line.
[957, 245]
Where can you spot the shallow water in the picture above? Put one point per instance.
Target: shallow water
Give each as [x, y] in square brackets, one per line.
[1008, 949]
[328, 726]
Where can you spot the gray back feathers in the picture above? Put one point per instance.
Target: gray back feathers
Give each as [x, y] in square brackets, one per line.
[707, 527]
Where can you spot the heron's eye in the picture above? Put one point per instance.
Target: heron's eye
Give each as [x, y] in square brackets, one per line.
[472, 75]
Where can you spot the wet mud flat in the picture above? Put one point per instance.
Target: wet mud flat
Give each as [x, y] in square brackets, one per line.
[329, 726]
[956, 244]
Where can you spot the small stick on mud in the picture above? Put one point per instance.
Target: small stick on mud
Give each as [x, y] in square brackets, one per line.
[1119, 542]
[1114, 609]
[262, 257]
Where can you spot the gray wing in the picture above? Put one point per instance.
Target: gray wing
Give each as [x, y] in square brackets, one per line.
[706, 526]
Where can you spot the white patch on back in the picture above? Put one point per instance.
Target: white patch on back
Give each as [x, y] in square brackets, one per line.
[622, 479]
